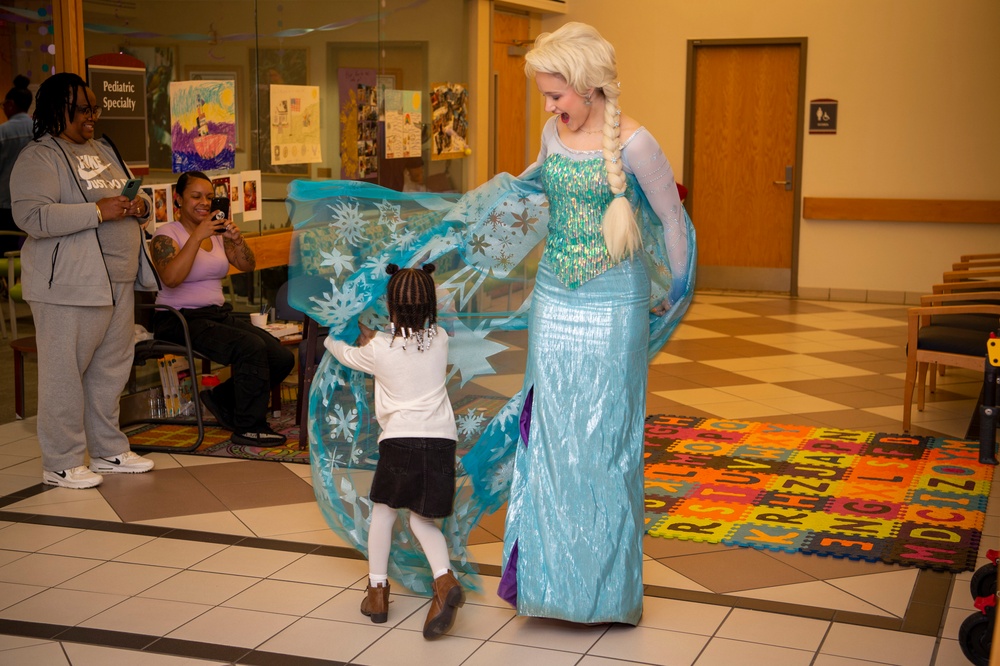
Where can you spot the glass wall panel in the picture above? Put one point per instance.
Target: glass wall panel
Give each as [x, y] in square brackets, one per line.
[350, 51]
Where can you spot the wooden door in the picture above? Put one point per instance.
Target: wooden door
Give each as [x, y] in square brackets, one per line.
[510, 34]
[742, 169]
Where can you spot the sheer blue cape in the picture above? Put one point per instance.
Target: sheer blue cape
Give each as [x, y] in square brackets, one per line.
[486, 245]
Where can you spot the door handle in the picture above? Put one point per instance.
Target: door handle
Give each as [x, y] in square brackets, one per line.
[787, 182]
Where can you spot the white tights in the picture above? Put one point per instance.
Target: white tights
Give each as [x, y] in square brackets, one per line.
[380, 539]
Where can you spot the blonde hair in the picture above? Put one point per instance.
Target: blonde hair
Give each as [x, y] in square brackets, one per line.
[586, 61]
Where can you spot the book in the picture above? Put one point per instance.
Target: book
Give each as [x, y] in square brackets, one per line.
[280, 329]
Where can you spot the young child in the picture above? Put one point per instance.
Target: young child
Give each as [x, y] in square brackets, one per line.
[416, 466]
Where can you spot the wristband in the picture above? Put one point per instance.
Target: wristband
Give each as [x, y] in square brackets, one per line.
[100, 218]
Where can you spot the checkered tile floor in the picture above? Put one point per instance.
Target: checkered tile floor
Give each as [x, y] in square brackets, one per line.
[216, 561]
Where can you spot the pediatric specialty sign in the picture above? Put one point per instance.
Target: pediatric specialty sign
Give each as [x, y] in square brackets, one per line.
[119, 81]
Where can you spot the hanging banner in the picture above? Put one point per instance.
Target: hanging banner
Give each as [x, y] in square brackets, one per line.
[119, 82]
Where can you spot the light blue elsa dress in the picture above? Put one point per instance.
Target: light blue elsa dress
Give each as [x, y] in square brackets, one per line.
[566, 450]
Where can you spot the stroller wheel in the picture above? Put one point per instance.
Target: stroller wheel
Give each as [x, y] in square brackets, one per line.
[976, 637]
[984, 581]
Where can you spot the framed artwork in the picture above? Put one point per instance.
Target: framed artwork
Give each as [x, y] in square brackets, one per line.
[160, 73]
[275, 67]
[232, 73]
[203, 125]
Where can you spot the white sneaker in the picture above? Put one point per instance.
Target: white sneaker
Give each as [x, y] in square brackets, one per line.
[78, 477]
[123, 463]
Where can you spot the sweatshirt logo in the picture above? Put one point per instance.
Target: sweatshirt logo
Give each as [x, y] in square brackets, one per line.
[90, 166]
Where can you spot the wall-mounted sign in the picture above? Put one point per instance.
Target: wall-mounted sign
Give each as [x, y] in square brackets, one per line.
[823, 116]
[119, 82]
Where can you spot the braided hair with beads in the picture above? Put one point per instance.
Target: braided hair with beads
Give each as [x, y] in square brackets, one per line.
[412, 302]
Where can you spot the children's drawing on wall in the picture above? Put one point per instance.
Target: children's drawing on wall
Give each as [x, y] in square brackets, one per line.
[276, 67]
[449, 121]
[359, 146]
[203, 125]
[251, 195]
[402, 123]
[295, 125]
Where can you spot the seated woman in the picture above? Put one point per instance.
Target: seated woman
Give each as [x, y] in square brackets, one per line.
[192, 256]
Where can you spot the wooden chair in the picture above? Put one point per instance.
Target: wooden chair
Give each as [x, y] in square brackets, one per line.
[934, 342]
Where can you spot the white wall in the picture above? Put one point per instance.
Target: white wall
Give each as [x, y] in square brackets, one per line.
[917, 85]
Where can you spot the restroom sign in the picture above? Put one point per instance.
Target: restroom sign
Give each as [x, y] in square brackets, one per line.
[823, 116]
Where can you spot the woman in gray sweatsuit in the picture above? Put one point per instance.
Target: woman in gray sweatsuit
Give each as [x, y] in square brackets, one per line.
[82, 260]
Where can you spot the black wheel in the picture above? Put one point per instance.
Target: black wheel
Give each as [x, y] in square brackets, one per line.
[976, 636]
[984, 581]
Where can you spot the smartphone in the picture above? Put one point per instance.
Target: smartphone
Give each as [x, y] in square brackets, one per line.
[219, 210]
[131, 188]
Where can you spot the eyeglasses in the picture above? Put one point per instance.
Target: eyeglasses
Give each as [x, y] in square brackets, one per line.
[93, 112]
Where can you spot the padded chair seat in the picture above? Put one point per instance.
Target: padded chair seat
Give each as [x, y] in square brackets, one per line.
[977, 322]
[965, 341]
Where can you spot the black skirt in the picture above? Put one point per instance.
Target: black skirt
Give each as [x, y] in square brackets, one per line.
[416, 473]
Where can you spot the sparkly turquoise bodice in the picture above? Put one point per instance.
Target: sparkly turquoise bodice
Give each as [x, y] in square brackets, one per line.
[578, 194]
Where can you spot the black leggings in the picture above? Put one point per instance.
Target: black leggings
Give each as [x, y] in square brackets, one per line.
[259, 361]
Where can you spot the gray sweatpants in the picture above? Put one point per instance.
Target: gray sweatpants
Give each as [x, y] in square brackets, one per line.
[84, 360]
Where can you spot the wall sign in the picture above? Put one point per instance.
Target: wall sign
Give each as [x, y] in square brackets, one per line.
[823, 116]
[119, 82]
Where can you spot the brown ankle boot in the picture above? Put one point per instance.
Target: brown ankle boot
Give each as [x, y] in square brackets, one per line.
[448, 598]
[376, 603]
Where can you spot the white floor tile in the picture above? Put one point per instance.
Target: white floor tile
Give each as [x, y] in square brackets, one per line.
[649, 646]
[97, 545]
[154, 617]
[445, 651]
[949, 653]
[657, 573]
[501, 654]
[219, 522]
[773, 629]
[49, 654]
[346, 607]
[683, 616]
[324, 571]
[815, 593]
[13, 593]
[323, 639]
[278, 596]
[831, 660]
[275, 521]
[176, 553]
[93, 655]
[549, 634]
[32, 538]
[890, 591]
[45, 570]
[725, 652]
[233, 626]
[244, 561]
[472, 621]
[56, 606]
[119, 578]
[8, 642]
[880, 645]
[199, 587]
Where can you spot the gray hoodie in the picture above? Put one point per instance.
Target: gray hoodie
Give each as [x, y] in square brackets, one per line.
[63, 261]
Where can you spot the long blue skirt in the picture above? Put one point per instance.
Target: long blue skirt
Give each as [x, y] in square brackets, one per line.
[573, 537]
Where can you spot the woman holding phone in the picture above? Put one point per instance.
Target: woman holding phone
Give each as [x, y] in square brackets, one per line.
[193, 255]
[81, 264]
